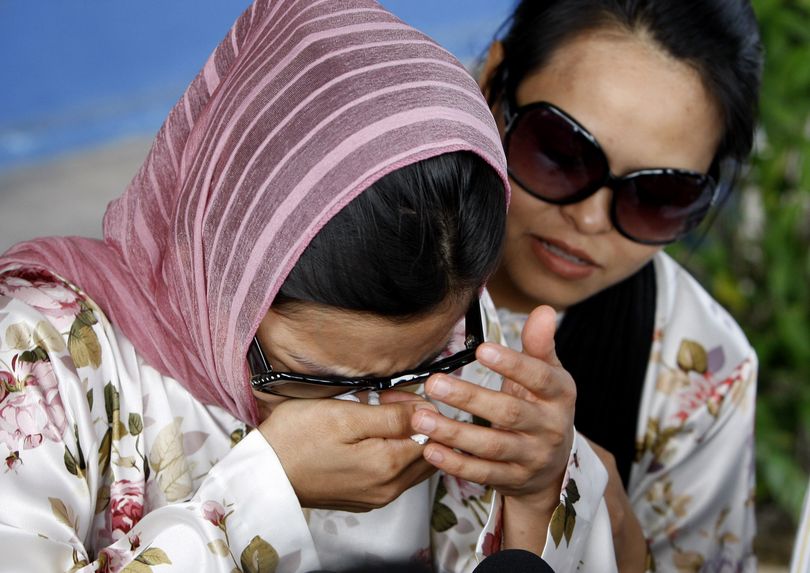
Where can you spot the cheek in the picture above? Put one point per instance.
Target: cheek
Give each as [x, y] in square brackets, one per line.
[628, 257]
[527, 214]
[267, 402]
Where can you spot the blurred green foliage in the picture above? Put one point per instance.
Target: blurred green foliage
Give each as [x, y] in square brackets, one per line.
[755, 258]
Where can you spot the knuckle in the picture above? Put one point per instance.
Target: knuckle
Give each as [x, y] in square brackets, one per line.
[556, 439]
[494, 449]
[462, 396]
[450, 433]
[480, 476]
[543, 459]
[523, 477]
[453, 465]
[569, 390]
[389, 465]
[511, 414]
[398, 421]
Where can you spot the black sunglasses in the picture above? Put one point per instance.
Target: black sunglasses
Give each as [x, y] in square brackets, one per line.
[554, 158]
[265, 379]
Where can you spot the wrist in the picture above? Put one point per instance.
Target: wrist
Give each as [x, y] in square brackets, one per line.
[526, 520]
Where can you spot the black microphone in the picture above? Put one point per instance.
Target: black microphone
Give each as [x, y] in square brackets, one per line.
[513, 561]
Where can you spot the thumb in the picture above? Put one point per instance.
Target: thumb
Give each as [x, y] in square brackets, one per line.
[538, 335]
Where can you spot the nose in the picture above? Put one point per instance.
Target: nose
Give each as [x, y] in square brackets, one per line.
[592, 215]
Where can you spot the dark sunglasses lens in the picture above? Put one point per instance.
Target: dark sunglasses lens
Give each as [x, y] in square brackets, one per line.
[550, 158]
[659, 208]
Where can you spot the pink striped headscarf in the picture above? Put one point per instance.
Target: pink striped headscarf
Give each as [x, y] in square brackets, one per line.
[302, 106]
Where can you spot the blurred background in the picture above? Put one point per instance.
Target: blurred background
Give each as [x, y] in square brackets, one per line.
[87, 84]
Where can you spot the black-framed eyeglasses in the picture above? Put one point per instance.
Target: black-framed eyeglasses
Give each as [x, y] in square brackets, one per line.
[265, 379]
[554, 158]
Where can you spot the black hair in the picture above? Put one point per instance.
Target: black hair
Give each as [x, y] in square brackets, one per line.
[719, 38]
[425, 232]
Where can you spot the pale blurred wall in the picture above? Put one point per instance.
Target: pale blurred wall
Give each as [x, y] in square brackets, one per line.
[89, 82]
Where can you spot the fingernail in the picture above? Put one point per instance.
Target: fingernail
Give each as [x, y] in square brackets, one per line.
[439, 387]
[489, 354]
[433, 455]
[425, 423]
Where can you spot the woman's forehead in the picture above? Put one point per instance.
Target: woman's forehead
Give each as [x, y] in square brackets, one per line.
[359, 343]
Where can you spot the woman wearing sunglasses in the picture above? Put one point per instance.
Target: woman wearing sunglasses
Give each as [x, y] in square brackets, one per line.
[315, 219]
[623, 123]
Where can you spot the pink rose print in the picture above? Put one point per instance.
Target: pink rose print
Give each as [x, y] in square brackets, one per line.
[462, 490]
[29, 417]
[126, 506]
[111, 560]
[42, 292]
[214, 512]
[493, 541]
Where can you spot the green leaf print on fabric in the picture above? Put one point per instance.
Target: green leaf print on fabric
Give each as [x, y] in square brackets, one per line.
[168, 460]
[657, 442]
[135, 424]
[47, 337]
[259, 557]
[104, 453]
[144, 562]
[75, 464]
[112, 404]
[18, 336]
[102, 499]
[219, 547]
[692, 357]
[36, 355]
[154, 556]
[70, 463]
[442, 517]
[83, 344]
[564, 518]
[237, 435]
[63, 513]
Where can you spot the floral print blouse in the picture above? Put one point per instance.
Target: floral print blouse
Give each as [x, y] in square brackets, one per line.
[109, 466]
[692, 482]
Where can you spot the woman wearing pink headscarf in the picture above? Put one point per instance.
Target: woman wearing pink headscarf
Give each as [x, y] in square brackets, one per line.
[315, 219]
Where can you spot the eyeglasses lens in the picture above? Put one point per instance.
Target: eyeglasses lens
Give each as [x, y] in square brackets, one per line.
[306, 390]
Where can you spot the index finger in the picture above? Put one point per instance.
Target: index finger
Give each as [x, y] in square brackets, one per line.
[392, 420]
[543, 380]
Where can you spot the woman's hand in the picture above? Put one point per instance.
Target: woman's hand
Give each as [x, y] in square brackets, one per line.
[349, 456]
[525, 453]
[629, 542]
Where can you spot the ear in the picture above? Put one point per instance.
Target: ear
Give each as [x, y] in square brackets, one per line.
[494, 58]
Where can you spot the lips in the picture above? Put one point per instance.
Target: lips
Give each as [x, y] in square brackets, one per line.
[563, 260]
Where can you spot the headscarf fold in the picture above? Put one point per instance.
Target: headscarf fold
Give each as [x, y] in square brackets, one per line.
[299, 109]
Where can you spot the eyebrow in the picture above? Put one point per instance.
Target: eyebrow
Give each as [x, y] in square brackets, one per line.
[321, 370]
[316, 368]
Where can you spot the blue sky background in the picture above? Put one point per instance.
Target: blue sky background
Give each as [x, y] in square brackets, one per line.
[79, 73]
